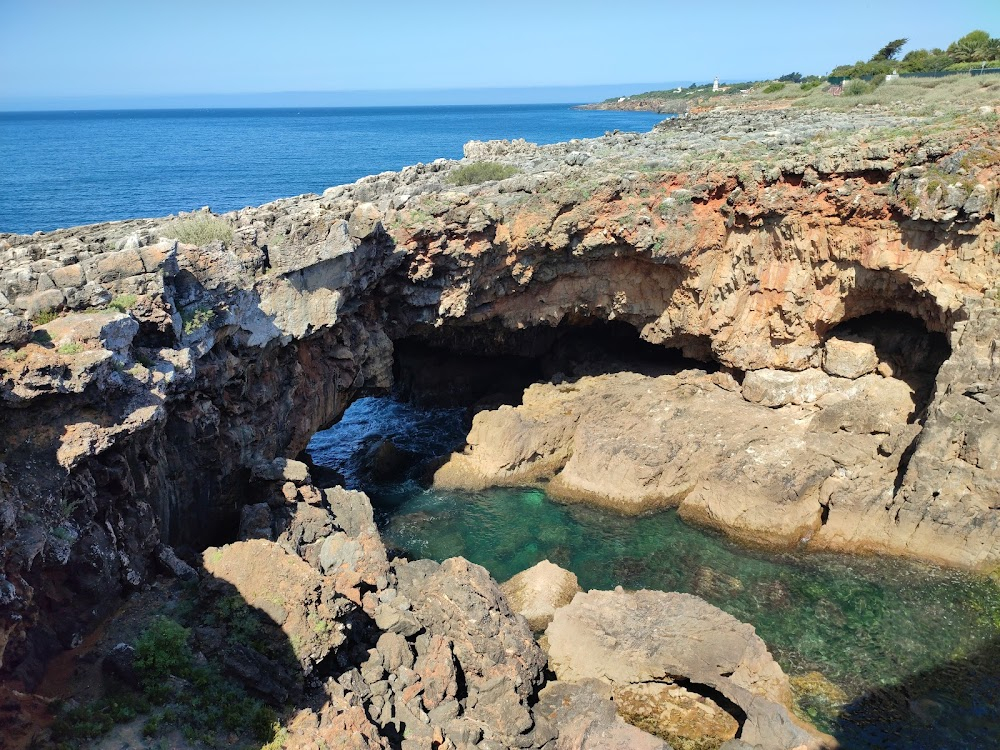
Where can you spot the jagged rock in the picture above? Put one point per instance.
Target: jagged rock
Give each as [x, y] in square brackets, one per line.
[256, 522]
[295, 317]
[642, 643]
[120, 663]
[352, 510]
[501, 664]
[287, 589]
[536, 593]
[436, 667]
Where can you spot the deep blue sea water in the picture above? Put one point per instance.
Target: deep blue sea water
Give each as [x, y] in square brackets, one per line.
[60, 169]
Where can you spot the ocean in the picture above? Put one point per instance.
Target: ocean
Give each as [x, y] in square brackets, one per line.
[61, 169]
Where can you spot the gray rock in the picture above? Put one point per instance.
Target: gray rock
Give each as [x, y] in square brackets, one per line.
[120, 663]
[14, 331]
[172, 565]
[255, 522]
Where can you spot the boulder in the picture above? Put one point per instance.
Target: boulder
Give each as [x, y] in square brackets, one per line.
[282, 469]
[14, 331]
[847, 358]
[536, 593]
[780, 388]
[644, 644]
[109, 330]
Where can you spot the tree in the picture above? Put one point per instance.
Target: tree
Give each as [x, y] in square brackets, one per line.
[975, 46]
[889, 51]
[791, 78]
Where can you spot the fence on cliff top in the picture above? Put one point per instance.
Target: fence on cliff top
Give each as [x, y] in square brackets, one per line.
[838, 80]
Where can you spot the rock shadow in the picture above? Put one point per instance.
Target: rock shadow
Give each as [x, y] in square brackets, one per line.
[951, 705]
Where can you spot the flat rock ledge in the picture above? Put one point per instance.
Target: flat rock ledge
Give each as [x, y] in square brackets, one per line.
[679, 667]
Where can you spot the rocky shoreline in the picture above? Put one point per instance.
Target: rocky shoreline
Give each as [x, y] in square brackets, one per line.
[819, 267]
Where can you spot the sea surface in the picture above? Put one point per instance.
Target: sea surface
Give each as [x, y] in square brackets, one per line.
[61, 169]
[884, 653]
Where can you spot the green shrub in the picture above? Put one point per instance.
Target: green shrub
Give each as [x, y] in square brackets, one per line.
[199, 230]
[123, 302]
[71, 348]
[772, 88]
[483, 171]
[857, 87]
[162, 650]
[810, 85]
[42, 317]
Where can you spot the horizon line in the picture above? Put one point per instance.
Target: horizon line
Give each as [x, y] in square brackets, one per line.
[344, 98]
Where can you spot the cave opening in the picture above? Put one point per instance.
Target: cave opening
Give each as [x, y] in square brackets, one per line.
[904, 347]
[486, 366]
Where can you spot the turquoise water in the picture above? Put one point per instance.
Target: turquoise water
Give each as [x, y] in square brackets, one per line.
[60, 169]
[911, 647]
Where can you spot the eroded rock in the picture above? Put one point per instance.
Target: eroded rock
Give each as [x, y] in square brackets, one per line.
[644, 643]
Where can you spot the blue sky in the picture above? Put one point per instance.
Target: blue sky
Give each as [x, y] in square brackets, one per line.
[74, 50]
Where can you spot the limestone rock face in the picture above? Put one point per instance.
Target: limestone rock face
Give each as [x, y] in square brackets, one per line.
[539, 591]
[779, 388]
[635, 443]
[642, 643]
[585, 715]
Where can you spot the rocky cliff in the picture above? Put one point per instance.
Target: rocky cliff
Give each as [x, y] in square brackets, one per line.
[823, 264]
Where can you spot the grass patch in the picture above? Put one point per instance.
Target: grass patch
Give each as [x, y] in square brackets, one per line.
[199, 230]
[483, 171]
[71, 348]
[17, 355]
[123, 302]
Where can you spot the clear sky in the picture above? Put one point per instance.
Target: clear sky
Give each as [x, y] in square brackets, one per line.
[52, 49]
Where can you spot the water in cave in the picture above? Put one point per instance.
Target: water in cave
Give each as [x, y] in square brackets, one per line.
[908, 652]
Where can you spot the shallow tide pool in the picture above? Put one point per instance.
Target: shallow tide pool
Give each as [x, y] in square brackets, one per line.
[907, 655]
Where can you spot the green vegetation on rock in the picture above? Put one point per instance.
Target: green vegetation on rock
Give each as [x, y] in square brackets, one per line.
[123, 302]
[196, 318]
[483, 171]
[199, 230]
[70, 348]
